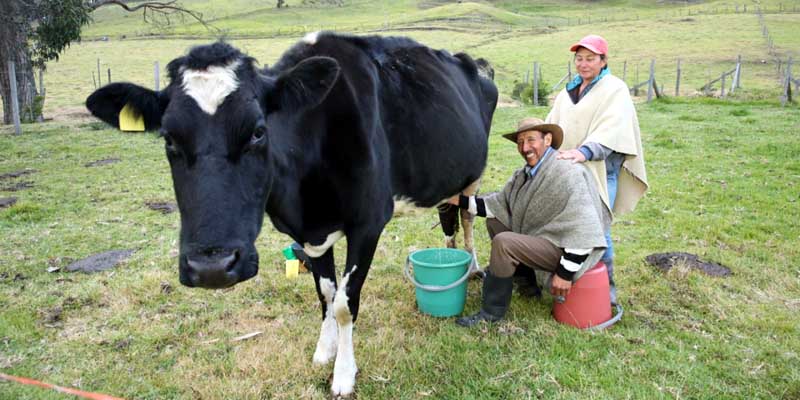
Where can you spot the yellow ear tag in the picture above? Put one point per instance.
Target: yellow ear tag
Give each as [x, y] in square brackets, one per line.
[129, 121]
[292, 268]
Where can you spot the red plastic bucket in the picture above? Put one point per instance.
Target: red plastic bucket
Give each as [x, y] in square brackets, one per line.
[588, 303]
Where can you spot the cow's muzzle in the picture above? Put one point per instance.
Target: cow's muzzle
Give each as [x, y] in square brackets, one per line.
[217, 268]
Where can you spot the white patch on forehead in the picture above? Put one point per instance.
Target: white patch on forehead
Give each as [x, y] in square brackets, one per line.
[318, 250]
[311, 37]
[209, 87]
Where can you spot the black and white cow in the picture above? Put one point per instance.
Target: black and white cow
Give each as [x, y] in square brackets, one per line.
[324, 141]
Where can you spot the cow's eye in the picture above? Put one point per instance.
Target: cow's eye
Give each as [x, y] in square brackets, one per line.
[259, 136]
[169, 144]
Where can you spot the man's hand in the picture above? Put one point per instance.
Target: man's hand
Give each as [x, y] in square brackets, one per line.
[575, 155]
[560, 286]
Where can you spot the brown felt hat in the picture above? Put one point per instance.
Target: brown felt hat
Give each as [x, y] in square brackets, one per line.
[536, 124]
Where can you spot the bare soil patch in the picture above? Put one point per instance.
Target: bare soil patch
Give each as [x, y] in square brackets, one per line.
[166, 207]
[6, 202]
[100, 163]
[100, 262]
[63, 114]
[16, 174]
[665, 262]
[17, 186]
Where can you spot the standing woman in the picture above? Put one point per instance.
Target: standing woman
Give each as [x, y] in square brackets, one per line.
[601, 129]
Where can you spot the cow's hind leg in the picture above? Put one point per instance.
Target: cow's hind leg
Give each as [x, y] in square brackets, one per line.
[467, 219]
[448, 217]
[360, 250]
[467, 223]
[325, 279]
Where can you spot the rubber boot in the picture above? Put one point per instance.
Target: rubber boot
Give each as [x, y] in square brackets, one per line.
[525, 280]
[496, 299]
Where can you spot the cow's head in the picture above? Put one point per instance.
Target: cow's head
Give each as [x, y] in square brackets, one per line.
[220, 119]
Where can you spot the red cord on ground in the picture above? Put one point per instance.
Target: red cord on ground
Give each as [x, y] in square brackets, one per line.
[76, 392]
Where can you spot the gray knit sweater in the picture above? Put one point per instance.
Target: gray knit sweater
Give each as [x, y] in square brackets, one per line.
[560, 204]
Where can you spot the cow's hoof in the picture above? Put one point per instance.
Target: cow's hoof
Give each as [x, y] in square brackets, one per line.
[344, 381]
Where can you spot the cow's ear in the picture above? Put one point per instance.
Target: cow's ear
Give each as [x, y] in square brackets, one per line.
[306, 85]
[107, 102]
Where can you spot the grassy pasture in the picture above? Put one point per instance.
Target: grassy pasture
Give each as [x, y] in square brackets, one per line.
[724, 185]
[510, 36]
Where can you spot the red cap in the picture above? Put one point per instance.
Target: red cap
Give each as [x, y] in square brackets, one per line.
[596, 44]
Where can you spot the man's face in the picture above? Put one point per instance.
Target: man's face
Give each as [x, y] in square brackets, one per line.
[532, 145]
[588, 64]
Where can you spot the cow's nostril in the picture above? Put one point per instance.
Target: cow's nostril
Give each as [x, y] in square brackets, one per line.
[232, 262]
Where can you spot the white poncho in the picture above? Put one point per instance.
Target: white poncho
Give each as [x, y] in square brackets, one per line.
[606, 115]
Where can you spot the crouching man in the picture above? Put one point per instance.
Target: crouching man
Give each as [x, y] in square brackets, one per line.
[549, 216]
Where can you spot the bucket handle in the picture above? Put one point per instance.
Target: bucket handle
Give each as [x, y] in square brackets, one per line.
[611, 321]
[432, 288]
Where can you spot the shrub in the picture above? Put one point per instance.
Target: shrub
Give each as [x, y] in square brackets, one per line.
[524, 92]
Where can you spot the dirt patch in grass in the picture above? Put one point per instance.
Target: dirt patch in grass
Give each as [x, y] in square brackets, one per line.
[69, 114]
[166, 207]
[99, 262]
[665, 262]
[17, 186]
[102, 162]
[16, 174]
[6, 202]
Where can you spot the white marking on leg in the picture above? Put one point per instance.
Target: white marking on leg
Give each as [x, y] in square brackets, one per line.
[344, 370]
[467, 220]
[209, 87]
[326, 345]
[311, 37]
[319, 250]
[450, 241]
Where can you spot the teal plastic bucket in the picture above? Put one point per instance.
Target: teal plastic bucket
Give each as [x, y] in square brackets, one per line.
[440, 277]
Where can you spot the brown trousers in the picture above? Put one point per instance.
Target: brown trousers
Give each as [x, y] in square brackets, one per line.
[510, 249]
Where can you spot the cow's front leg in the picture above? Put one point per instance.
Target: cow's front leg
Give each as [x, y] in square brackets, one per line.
[360, 250]
[324, 272]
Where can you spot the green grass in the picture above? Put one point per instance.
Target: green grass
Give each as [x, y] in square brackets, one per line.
[512, 35]
[724, 184]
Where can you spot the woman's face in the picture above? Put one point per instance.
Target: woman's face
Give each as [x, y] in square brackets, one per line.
[588, 64]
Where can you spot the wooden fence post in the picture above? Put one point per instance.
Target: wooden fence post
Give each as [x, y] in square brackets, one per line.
[156, 72]
[739, 71]
[787, 84]
[722, 85]
[12, 80]
[624, 70]
[636, 81]
[536, 83]
[569, 71]
[109, 75]
[651, 80]
[678, 79]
